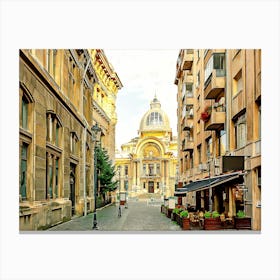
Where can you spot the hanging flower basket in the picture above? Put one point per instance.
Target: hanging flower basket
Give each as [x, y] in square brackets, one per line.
[205, 116]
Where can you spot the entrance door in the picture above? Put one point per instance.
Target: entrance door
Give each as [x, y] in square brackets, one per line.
[72, 186]
[151, 186]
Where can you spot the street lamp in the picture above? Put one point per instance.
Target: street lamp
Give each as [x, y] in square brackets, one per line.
[120, 211]
[96, 134]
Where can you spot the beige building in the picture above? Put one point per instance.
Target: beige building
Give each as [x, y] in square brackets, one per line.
[219, 130]
[62, 94]
[148, 162]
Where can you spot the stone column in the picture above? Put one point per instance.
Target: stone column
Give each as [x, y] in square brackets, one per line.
[138, 173]
[49, 129]
[134, 174]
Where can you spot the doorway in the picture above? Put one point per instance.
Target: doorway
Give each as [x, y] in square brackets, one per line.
[72, 186]
[151, 186]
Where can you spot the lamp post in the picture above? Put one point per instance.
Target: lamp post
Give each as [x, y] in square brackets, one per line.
[96, 134]
[120, 210]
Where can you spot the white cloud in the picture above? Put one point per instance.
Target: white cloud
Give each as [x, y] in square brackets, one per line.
[143, 73]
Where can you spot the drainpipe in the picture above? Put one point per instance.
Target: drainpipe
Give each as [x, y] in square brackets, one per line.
[84, 137]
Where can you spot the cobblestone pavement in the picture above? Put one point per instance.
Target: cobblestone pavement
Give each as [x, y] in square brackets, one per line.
[139, 216]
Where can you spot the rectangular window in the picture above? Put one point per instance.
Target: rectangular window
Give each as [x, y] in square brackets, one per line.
[57, 135]
[87, 179]
[23, 171]
[191, 159]
[56, 177]
[209, 147]
[240, 132]
[151, 169]
[189, 90]
[199, 154]
[219, 64]
[24, 117]
[50, 178]
[189, 111]
[237, 83]
[208, 69]
[158, 169]
[222, 143]
[144, 169]
[126, 170]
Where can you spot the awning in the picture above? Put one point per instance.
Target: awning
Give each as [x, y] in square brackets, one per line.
[207, 183]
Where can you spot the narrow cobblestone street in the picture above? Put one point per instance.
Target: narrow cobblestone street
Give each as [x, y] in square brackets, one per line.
[139, 216]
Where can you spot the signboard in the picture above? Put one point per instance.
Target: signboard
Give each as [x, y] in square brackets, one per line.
[172, 201]
[123, 196]
[233, 163]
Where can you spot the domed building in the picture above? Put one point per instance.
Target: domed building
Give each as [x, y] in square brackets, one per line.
[148, 163]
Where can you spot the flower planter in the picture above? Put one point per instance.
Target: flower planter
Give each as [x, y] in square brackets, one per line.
[212, 223]
[169, 212]
[242, 223]
[178, 219]
[173, 217]
[185, 224]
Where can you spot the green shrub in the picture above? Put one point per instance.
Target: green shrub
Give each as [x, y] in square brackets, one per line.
[177, 210]
[184, 214]
[215, 214]
[240, 214]
[207, 215]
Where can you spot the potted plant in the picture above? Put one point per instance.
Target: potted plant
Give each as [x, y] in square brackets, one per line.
[212, 221]
[176, 214]
[241, 221]
[185, 224]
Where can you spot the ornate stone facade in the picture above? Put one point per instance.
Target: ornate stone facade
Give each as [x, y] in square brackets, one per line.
[148, 162]
[57, 108]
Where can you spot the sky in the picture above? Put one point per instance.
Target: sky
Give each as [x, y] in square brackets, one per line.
[143, 74]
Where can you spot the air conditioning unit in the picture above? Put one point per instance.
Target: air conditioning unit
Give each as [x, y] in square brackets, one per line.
[258, 204]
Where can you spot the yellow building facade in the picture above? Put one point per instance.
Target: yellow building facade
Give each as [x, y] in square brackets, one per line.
[58, 105]
[219, 130]
[148, 163]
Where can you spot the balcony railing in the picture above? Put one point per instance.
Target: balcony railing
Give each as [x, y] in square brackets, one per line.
[214, 84]
[187, 59]
[217, 118]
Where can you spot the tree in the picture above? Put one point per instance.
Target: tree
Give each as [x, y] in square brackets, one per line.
[105, 171]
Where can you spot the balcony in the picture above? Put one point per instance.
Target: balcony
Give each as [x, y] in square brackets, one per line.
[215, 84]
[188, 145]
[217, 119]
[189, 78]
[187, 59]
[188, 124]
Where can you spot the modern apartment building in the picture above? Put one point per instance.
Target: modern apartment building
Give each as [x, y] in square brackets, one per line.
[219, 130]
[62, 94]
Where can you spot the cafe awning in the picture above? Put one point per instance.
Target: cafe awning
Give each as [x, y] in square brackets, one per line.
[207, 183]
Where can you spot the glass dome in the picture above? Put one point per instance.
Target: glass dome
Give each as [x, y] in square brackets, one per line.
[154, 118]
